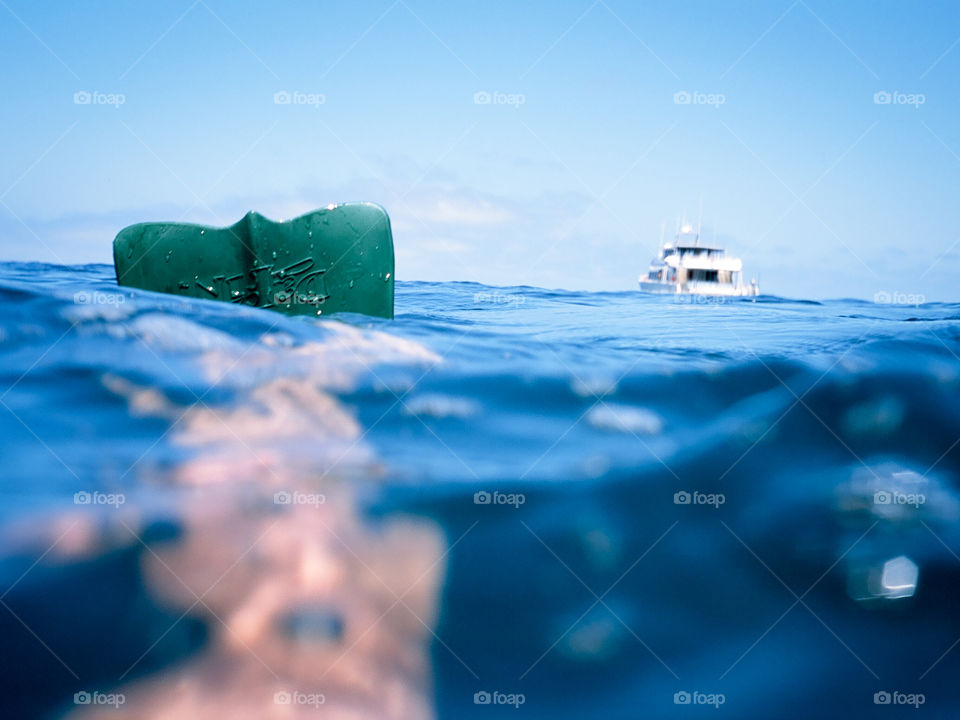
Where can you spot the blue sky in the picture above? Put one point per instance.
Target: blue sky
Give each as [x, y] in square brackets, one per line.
[562, 180]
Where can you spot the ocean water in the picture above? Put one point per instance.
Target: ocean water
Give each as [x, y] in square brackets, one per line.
[506, 502]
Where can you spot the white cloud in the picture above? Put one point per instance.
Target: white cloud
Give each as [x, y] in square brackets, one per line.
[452, 210]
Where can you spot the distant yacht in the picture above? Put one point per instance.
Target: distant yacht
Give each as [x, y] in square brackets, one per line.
[685, 267]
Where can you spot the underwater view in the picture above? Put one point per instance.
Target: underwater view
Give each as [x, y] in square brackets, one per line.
[505, 502]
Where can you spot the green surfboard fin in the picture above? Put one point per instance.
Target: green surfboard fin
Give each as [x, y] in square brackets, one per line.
[337, 259]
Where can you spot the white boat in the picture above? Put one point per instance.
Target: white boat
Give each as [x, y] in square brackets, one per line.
[685, 267]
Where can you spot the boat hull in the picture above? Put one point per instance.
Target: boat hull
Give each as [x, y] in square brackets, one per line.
[703, 289]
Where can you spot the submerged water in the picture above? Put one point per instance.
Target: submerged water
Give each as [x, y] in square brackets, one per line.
[506, 502]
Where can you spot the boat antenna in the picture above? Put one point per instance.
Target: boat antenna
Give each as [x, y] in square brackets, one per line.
[699, 218]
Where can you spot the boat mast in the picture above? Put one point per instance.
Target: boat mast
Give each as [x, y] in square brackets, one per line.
[699, 219]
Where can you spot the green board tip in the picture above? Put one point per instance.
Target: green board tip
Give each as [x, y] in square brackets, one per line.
[336, 259]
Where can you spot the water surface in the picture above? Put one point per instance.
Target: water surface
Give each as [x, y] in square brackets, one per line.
[581, 504]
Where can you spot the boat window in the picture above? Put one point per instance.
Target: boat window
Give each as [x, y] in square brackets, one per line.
[703, 275]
